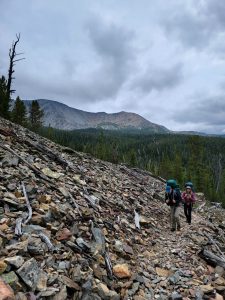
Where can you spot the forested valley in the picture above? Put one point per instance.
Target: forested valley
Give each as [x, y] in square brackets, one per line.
[200, 159]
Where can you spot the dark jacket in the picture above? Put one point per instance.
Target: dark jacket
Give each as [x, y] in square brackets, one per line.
[173, 195]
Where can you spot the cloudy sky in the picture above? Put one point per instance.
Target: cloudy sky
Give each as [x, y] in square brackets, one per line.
[164, 60]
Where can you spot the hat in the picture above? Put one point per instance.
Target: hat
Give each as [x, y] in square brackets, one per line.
[188, 187]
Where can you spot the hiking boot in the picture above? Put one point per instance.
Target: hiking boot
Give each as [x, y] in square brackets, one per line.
[178, 228]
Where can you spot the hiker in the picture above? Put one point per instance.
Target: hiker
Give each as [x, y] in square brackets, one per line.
[173, 199]
[188, 198]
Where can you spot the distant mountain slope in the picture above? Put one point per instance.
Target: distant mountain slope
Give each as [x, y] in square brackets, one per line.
[61, 116]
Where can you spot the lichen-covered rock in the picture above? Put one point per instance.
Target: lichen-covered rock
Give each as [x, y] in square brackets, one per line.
[29, 272]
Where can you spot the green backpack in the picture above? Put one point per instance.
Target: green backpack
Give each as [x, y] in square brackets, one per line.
[172, 183]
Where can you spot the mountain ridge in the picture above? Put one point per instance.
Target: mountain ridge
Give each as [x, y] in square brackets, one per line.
[62, 116]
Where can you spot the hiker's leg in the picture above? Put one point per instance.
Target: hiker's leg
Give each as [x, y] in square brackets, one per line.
[172, 217]
[186, 211]
[177, 216]
[189, 213]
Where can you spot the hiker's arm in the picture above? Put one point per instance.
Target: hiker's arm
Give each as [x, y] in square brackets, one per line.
[167, 199]
[183, 197]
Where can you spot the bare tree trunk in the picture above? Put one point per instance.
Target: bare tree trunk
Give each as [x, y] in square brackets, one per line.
[12, 61]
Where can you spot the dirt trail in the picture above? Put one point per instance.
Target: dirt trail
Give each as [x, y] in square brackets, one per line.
[176, 261]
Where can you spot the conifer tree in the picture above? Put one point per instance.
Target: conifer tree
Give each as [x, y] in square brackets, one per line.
[4, 104]
[36, 116]
[19, 113]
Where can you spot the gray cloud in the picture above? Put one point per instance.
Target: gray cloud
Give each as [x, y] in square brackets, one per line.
[112, 51]
[159, 78]
[208, 111]
[111, 41]
[109, 59]
[198, 25]
[113, 46]
[122, 55]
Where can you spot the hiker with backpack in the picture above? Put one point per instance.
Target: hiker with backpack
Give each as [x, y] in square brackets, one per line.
[173, 199]
[188, 198]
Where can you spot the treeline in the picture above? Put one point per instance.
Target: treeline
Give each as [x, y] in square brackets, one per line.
[184, 157]
[16, 110]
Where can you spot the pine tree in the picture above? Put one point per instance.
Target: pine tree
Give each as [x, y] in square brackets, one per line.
[19, 113]
[36, 116]
[4, 103]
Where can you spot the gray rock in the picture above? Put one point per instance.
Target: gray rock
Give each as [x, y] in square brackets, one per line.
[140, 279]
[118, 246]
[11, 187]
[31, 189]
[51, 291]
[10, 161]
[29, 273]
[91, 296]
[62, 295]
[176, 296]
[161, 297]
[174, 278]
[63, 265]
[113, 295]
[102, 290]
[15, 261]
[150, 294]
[36, 246]
[20, 247]
[199, 295]
[134, 289]
[21, 296]
[32, 228]
[76, 275]
[156, 280]
[219, 270]
[84, 245]
[64, 192]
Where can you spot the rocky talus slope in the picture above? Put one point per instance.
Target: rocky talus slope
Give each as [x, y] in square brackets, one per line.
[74, 227]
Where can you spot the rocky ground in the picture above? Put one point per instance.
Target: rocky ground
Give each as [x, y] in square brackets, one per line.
[74, 227]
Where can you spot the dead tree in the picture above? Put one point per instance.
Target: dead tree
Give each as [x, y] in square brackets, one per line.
[12, 61]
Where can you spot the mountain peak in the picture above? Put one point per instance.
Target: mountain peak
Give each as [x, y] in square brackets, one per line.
[61, 116]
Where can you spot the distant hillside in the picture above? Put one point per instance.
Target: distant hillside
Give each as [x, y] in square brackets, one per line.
[61, 116]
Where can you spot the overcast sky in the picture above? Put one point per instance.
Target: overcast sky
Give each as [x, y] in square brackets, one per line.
[164, 60]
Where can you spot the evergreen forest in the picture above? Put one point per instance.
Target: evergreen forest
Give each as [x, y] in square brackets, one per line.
[200, 159]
